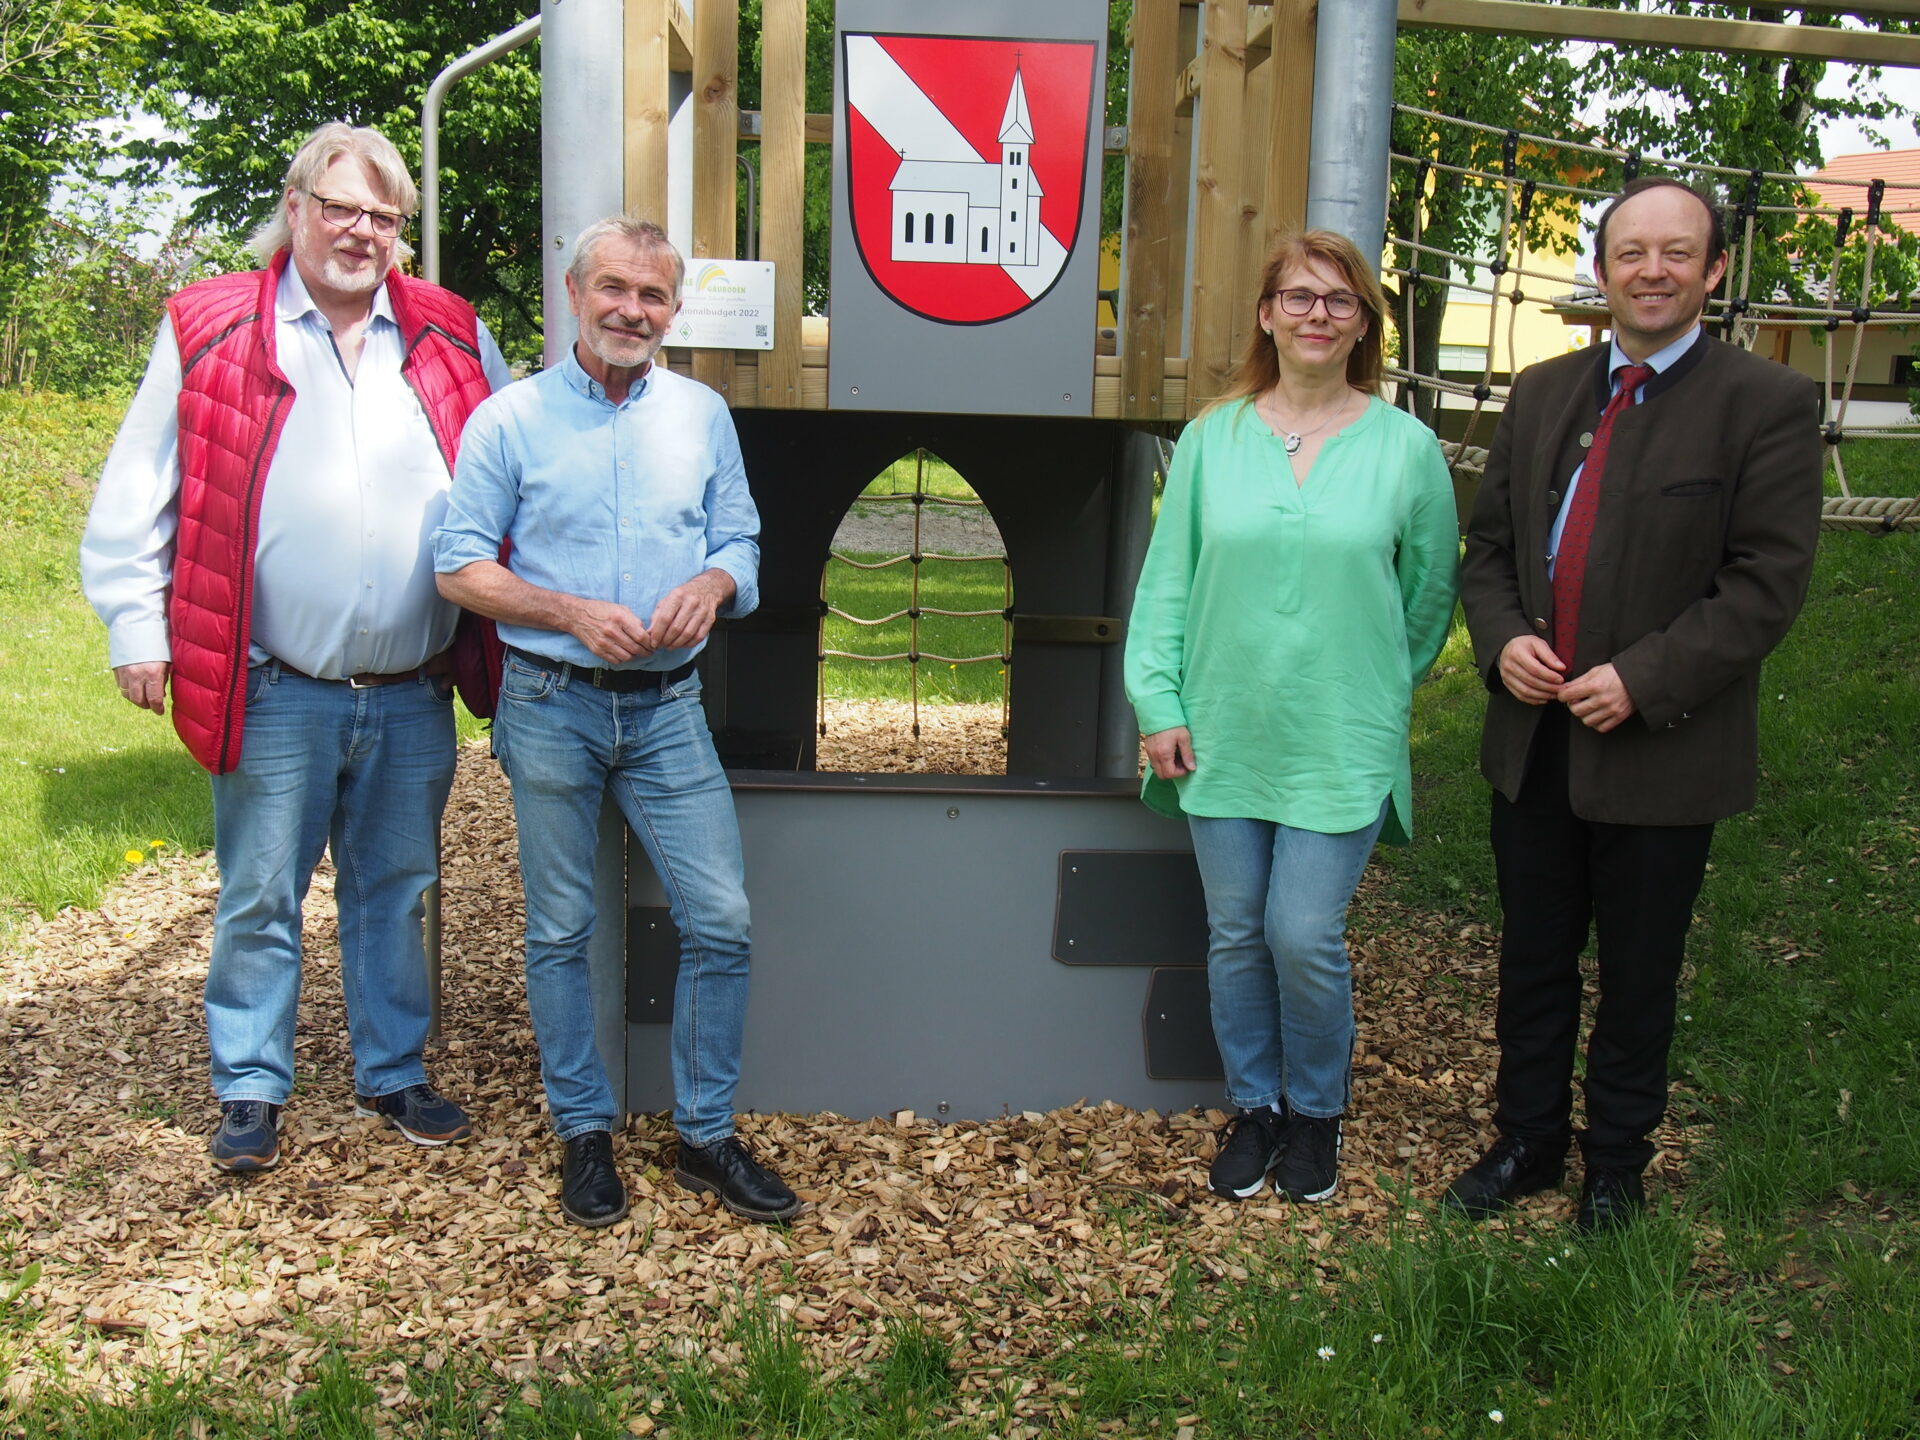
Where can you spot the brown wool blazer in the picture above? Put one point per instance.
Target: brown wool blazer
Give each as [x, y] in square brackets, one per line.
[1698, 564]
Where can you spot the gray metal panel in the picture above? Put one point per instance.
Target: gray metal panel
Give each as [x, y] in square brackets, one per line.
[901, 958]
[1178, 1027]
[883, 356]
[653, 964]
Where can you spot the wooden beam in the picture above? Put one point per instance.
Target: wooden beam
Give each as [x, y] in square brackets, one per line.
[1290, 121]
[1522, 19]
[679, 38]
[716, 123]
[1181, 220]
[783, 165]
[1146, 274]
[1223, 46]
[1250, 239]
[645, 83]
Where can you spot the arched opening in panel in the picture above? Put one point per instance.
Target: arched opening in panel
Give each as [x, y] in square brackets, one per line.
[916, 629]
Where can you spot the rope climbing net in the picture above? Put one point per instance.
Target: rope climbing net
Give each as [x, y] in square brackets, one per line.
[916, 609]
[1534, 170]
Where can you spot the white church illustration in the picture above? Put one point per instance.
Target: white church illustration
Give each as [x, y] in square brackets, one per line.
[972, 212]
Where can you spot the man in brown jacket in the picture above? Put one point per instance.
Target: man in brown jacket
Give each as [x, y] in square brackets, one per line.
[1642, 539]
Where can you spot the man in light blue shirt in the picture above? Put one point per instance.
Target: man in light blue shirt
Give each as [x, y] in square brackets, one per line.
[618, 490]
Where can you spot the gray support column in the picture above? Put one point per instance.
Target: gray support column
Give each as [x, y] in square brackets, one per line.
[1352, 121]
[582, 100]
[1140, 455]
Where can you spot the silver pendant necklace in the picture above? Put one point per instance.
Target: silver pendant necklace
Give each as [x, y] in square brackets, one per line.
[1294, 439]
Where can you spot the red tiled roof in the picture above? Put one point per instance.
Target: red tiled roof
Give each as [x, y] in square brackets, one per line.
[1844, 183]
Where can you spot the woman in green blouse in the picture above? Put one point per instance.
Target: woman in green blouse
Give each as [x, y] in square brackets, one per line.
[1299, 583]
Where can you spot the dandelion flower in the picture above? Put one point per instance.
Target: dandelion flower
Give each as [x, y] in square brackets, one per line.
[156, 844]
[1495, 1416]
[1325, 1352]
[134, 857]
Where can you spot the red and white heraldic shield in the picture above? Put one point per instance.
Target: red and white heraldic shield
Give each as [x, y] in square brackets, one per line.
[966, 167]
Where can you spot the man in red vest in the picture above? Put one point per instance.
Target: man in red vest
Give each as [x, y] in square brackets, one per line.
[260, 545]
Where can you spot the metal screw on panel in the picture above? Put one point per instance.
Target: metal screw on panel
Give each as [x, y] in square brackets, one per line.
[1073, 869]
[559, 242]
[953, 812]
[1069, 942]
[1066, 397]
[853, 389]
[943, 1107]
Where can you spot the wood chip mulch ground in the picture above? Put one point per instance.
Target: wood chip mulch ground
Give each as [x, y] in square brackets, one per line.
[148, 1253]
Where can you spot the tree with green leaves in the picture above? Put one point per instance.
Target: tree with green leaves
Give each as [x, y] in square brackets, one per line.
[240, 83]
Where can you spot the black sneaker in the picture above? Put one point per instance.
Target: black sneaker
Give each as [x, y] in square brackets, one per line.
[744, 1185]
[590, 1190]
[1251, 1145]
[1310, 1167]
[248, 1138]
[419, 1112]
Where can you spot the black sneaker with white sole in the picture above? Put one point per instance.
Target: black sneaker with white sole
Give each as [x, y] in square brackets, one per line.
[1310, 1168]
[419, 1112]
[1250, 1146]
[248, 1138]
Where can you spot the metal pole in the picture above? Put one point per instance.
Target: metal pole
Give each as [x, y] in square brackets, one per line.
[430, 134]
[1352, 121]
[582, 159]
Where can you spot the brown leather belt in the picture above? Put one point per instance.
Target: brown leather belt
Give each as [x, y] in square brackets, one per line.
[436, 665]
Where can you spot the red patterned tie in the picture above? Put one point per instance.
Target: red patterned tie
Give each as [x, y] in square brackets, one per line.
[1570, 561]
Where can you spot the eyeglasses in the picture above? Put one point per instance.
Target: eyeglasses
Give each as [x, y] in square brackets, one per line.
[1341, 304]
[342, 216]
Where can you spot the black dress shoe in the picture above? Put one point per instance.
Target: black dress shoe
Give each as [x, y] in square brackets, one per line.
[744, 1185]
[1512, 1167]
[1609, 1200]
[590, 1190]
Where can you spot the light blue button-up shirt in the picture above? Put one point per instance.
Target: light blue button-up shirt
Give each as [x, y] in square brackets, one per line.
[608, 502]
[1659, 360]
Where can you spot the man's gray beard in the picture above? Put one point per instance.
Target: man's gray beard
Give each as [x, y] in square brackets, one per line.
[360, 282]
[639, 354]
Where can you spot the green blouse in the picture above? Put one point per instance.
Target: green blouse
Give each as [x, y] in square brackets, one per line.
[1286, 625]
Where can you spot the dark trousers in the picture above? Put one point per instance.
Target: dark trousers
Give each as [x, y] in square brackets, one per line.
[1635, 886]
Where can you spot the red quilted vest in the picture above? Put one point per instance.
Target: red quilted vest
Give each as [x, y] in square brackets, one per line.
[234, 399]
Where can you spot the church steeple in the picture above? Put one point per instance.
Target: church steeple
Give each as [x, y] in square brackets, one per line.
[1018, 198]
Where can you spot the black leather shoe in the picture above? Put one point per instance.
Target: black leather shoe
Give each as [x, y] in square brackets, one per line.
[744, 1185]
[590, 1190]
[1609, 1200]
[1512, 1167]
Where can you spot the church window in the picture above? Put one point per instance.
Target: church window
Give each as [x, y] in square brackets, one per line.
[949, 229]
[1011, 247]
[909, 227]
[1013, 217]
[929, 227]
[1016, 181]
[983, 239]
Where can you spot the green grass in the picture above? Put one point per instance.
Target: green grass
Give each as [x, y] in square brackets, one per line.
[944, 584]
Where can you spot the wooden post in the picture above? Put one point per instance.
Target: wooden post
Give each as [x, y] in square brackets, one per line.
[1147, 280]
[1223, 46]
[646, 106]
[716, 129]
[1250, 228]
[783, 160]
[1290, 120]
[1180, 226]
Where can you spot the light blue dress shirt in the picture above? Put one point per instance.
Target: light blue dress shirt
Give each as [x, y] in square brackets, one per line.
[1659, 360]
[608, 502]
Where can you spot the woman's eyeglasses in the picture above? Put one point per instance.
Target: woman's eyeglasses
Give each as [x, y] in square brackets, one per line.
[1341, 304]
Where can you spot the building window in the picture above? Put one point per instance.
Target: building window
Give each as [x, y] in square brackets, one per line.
[1011, 247]
[1016, 181]
[1463, 357]
[929, 227]
[909, 227]
[1013, 217]
[983, 239]
[949, 229]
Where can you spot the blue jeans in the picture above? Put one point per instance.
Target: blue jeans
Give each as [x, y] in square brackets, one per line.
[564, 745]
[368, 770]
[1277, 971]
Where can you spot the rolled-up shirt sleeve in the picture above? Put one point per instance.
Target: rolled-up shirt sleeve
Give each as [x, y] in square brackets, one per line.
[126, 554]
[733, 521]
[484, 496]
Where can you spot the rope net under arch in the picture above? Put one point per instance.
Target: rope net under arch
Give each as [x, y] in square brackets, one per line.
[1535, 166]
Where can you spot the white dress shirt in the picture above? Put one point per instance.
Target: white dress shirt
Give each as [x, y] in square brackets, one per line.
[343, 565]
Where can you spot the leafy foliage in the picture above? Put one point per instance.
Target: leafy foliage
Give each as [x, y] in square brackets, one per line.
[241, 82]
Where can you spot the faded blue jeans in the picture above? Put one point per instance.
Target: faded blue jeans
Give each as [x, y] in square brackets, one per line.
[369, 770]
[1277, 971]
[564, 745]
